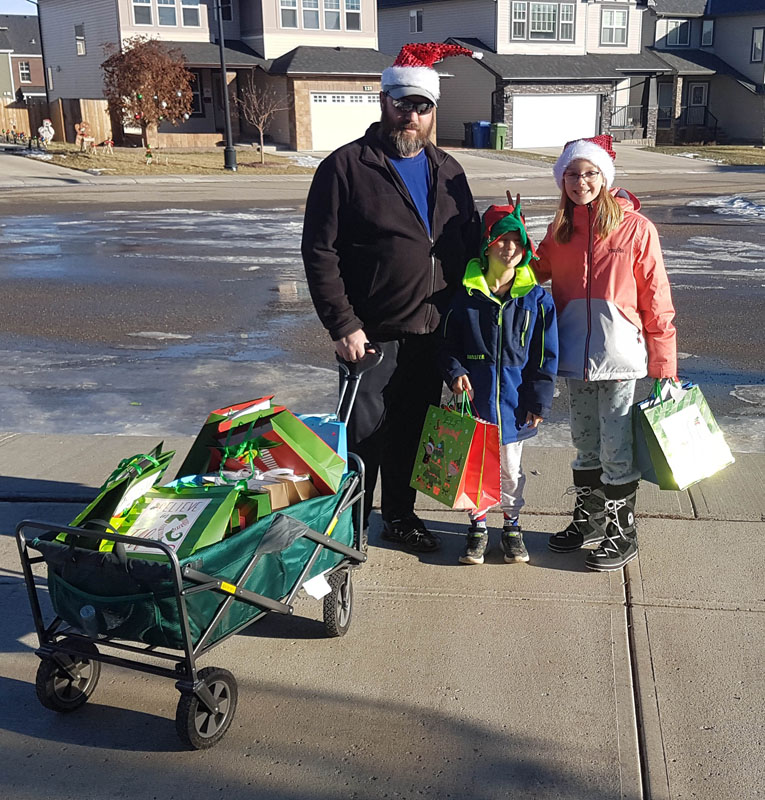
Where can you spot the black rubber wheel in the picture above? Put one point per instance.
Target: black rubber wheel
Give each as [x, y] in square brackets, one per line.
[199, 728]
[338, 604]
[67, 687]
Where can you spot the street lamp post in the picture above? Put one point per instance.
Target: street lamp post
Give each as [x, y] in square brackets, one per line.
[229, 153]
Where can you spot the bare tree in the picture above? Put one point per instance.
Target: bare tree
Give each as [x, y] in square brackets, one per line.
[146, 83]
[258, 105]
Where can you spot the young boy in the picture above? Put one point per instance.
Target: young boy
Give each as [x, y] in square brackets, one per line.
[501, 347]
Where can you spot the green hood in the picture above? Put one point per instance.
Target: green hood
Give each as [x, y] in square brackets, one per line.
[475, 281]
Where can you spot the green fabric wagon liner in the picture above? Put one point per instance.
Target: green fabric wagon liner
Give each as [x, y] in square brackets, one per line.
[137, 603]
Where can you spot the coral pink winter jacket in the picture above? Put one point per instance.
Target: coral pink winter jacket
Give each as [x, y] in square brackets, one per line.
[612, 297]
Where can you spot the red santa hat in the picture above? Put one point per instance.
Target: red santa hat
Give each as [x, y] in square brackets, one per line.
[597, 149]
[412, 72]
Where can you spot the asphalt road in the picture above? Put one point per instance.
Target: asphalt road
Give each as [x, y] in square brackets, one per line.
[136, 309]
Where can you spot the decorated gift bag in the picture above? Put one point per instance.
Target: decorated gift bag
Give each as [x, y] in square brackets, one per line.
[330, 429]
[677, 440]
[458, 460]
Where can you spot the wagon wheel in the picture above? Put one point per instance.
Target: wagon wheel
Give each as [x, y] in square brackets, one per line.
[197, 726]
[338, 604]
[66, 682]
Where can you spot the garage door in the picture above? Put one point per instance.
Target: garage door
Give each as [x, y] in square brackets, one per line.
[552, 120]
[340, 117]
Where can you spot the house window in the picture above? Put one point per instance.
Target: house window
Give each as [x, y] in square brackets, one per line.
[190, 13]
[519, 21]
[311, 14]
[707, 32]
[25, 72]
[288, 13]
[79, 39]
[613, 27]
[353, 15]
[332, 15]
[544, 21]
[142, 12]
[567, 22]
[226, 10]
[166, 12]
[678, 33]
[196, 94]
[415, 21]
[758, 34]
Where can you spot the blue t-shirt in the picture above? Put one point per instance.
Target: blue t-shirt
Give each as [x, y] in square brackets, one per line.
[415, 173]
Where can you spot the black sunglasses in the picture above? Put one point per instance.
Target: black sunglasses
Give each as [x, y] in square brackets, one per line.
[407, 106]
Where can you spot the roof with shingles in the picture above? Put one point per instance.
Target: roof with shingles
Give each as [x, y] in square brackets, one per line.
[23, 34]
[330, 61]
[207, 54]
[701, 62]
[680, 8]
[594, 66]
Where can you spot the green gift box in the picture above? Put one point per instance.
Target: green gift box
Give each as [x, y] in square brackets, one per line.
[677, 439]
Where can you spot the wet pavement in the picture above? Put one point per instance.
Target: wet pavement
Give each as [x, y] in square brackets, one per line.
[139, 320]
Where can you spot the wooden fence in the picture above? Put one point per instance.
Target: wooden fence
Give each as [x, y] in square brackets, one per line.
[23, 117]
[64, 114]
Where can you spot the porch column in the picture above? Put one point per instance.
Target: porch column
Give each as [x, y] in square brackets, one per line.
[231, 83]
[651, 103]
[677, 107]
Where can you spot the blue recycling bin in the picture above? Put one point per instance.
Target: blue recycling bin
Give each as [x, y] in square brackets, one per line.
[481, 131]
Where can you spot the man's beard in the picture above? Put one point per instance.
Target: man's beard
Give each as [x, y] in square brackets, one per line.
[405, 144]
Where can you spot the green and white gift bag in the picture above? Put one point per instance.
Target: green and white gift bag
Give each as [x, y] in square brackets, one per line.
[677, 440]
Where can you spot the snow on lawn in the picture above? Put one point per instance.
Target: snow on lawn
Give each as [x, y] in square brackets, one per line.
[732, 205]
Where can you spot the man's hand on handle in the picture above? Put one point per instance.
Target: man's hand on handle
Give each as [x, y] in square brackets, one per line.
[352, 347]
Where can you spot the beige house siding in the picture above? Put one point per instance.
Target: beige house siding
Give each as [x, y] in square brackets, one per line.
[733, 42]
[73, 75]
[634, 24]
[465, 97]
[172, 33]
[277, 40]
[470, 19]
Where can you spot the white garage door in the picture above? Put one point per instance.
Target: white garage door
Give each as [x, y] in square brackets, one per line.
[340, 117]
[552, 120]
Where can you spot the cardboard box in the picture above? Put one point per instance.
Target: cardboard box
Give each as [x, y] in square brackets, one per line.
[284, 493]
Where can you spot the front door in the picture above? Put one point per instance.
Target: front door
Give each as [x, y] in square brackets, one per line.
[664, 96]
[697, 103]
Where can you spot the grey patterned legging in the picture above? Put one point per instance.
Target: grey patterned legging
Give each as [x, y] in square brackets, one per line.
[601, 428]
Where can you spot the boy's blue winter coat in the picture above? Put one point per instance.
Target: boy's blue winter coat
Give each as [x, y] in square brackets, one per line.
[508, 347]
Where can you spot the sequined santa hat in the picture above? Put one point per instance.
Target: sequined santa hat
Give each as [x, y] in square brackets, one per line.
[597, 149]
[412, 73]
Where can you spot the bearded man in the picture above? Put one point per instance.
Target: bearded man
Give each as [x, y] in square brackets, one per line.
[389, 226]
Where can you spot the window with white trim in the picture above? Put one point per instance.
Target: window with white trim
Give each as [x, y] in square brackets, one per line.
[758, 36]
[415, 21]
[25, 72]
[166, 13]
[190, 13]
[353, 15]
[311, 14]
[332, 15]
[226, 10]
[79, 39]
[678, 33]
[543, 20]
[613, 26]
[196, 94]
[142, 12]
[519, 21]
[567, 22]
[356, 98]
[288, 13]
[337, 98]
[707, 32]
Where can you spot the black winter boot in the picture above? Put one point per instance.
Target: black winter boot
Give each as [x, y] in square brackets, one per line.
[620, 543]
[589, 522]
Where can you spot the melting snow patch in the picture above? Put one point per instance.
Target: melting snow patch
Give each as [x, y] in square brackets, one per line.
[306, 161]
[752, 394]
[732, 205]
[160, 335]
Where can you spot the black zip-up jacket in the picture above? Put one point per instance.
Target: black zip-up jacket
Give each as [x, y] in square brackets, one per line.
[369, 261]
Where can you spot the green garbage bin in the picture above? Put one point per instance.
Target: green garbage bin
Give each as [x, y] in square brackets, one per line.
[498, 135]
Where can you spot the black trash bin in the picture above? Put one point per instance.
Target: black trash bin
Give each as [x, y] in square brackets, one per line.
[468, 140]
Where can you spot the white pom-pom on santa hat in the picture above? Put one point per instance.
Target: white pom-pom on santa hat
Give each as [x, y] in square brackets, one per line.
[412, 72]
[596, 150]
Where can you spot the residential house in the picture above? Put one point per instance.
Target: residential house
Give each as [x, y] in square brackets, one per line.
[318, 55]
[554, 71]
[21, 63]
[716, 89]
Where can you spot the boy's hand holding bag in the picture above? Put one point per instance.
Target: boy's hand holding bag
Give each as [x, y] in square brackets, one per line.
[677, 440]
[458, 459]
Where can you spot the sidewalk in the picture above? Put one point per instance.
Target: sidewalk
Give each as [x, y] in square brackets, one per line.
[541, 681]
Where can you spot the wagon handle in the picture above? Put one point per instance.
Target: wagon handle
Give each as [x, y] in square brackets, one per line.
[350, 375]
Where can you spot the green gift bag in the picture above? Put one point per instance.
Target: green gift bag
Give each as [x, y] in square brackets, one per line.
[677, 440]
[130, 479]
[458, 460]
[186, 518]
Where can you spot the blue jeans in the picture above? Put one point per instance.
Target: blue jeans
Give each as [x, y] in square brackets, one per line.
[601, 428]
